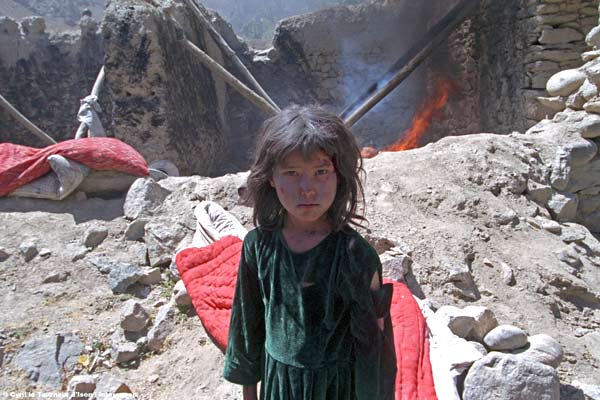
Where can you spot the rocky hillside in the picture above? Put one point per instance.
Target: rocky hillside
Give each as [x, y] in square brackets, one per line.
[89, 300]
[60, 15]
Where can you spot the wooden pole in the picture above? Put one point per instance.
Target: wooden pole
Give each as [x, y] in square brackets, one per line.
[408, 62]
[233, 81]
[24, 121]
[95, 91]
[229, 51]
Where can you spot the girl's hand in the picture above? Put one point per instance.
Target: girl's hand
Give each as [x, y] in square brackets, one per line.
[376, 285]
[250, 392]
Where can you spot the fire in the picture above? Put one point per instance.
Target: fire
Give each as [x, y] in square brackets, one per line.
[427, 110]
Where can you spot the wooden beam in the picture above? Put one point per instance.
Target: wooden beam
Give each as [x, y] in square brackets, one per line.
[25, 122]
[244, 90]
[406, 64]
[229, 51]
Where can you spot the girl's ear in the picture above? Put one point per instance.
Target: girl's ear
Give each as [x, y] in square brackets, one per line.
[272, 182]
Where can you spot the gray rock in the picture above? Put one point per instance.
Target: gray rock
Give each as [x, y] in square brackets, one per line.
[570, 255]
[139, 253]
[57, 277]
[592, 106]
[150, 276]
[45, 252]
[542, 348]
[28, 249]
[589, 90]
[134, 317]
[459, 274]
[582, 151]
[538, 192]
[180, 294]
[591, 341]
[122, 276]
[585, 178]
[508, 275]
[162, 241]
[4, 254]
[565, 82]
[79, 385]
[559, 36]
[572, 232]
[94, 235]
[505, 217]
[550, 225]
[593, 37]
[173, 270]
[485, 321]
[163, 326]
[592, 392]
[135, 229]
[505, 337]
[561, 170]
[455, 319]
[109, 385]
[396, 266]
[122, 350]
[563, 206]
[45, 360]
[508, 377]
[479, 347]
[143, 196]
[75, 251]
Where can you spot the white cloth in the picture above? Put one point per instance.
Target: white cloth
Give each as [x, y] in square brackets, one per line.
[213, 223]
[88, 114]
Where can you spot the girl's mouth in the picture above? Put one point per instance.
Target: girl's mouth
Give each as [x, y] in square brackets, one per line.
[307, 205]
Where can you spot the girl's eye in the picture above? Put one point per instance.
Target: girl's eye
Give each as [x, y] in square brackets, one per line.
[322, 172]
[290, 173]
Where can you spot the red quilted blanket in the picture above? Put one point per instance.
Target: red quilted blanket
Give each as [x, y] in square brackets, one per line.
[209, 274]
[21, 164]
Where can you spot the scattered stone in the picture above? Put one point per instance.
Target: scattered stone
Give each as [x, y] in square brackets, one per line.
[135, 229]
[80, 385]
[150, 276]
[555, 104]
[4, 254]
[454, 318]
[139, 252]
[45, 360]
[459, 274]
[563, 206]
[163, 325]
[588, 90]
[180, 294]
[561, 170]
[479, 347]
[45, 252]
[592, 392]
[505, 337]
[109, 385]
[76, 251]
[173, 270]
[134, 317]
[487, 379]
[57, 277]
[565, 82]
[122, 276]
[395, 267]
[122, 350]
[588, 56]
[550, 225]
[542, 348]
[593, 37]
[538, 192]
[28, 249]
[591, 342]
[485, 321]
[592, 106]
[573, 233]
[508, 276]
[570, 255]
[94, 235]
[162, 241]
[506, 217]
[143, 196]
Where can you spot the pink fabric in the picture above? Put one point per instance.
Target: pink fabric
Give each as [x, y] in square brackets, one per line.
[21, 164]
[209, 274]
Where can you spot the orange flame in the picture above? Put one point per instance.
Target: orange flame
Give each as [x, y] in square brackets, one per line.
[426, 111]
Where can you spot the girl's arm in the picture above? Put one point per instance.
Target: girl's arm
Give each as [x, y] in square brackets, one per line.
[375, 285]
[249, 392]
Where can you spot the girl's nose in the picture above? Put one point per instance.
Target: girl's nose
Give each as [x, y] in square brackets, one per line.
[306, 187]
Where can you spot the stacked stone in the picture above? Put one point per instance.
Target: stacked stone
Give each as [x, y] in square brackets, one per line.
[571, 190]
[556, 31]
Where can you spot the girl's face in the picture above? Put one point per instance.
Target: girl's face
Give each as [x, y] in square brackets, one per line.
[306, 187]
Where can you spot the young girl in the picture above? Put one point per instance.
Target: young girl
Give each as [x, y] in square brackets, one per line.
[310, 318]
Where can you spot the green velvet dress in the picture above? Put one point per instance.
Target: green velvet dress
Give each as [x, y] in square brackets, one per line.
[305, 324]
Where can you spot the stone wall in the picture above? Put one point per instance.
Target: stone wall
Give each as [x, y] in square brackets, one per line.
[44, 77]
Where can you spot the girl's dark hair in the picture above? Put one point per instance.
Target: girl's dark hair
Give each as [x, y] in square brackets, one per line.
[308, 129]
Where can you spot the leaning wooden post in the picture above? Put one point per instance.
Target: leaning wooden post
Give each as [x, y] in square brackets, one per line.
[227, 49]
[233, 81]
[25, 122]
[95, 92]
[408, 62]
